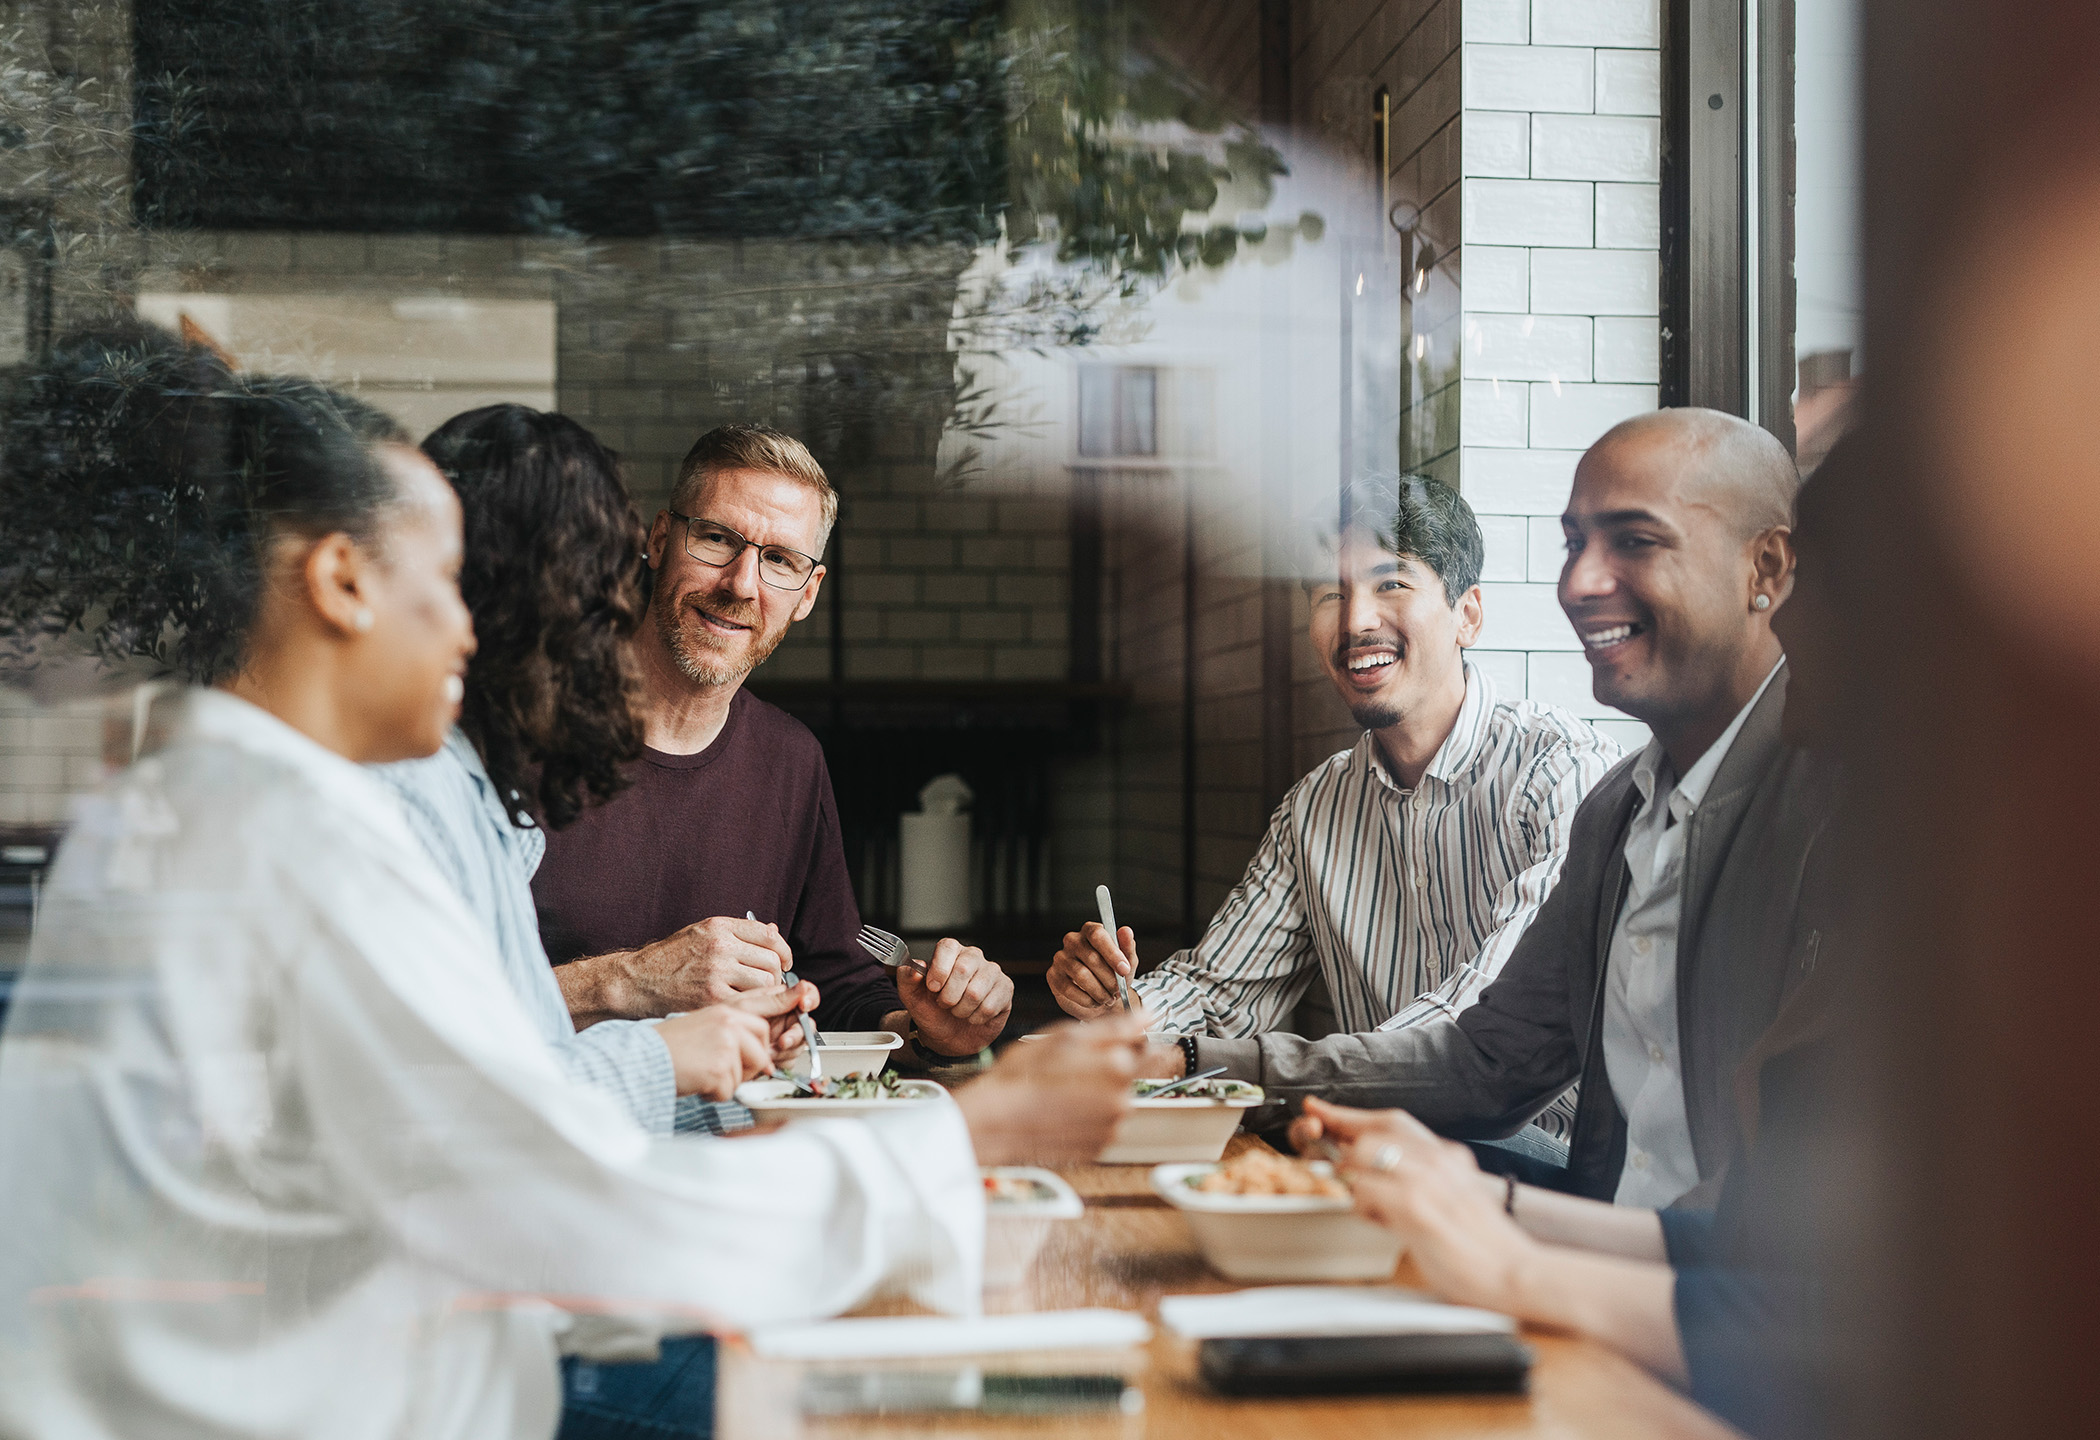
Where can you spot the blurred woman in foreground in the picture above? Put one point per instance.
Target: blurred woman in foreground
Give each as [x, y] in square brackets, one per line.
[280, 1152]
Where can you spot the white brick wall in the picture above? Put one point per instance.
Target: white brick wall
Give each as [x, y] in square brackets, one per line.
[1561, 159]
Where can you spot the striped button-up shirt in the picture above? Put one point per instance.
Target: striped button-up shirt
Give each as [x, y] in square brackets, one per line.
[451, 805]
[1407, 902]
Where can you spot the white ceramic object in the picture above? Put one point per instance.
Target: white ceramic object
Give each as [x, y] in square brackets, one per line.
[1157, 1132]
[852, 1052]
[1278, 1237]
[1014, 1230]
[773, 1100]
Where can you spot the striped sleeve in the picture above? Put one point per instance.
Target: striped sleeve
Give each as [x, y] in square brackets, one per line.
[629, 1061]
[1544, 816]
[1253, 963]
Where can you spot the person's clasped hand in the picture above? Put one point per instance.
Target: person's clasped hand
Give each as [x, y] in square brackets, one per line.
[1430, 1192]
[1083, 973]
[710, 962]
[1055, 1099]
[717, 1048]
[961, 1003]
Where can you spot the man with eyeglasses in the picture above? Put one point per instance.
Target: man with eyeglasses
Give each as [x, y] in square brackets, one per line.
[643, 900]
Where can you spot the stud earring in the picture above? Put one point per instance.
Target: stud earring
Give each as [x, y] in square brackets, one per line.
[361, 621]
[1762, 602]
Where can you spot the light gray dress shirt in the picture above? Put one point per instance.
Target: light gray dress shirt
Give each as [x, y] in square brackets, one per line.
[452, 806]
[1641, 1052]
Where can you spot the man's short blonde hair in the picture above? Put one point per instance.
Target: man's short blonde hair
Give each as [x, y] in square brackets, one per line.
[751, 447]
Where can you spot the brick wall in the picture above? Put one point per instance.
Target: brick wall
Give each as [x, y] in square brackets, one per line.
[1561, 161]
[657, 341]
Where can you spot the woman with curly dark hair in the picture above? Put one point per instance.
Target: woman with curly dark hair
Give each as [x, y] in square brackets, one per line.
[550, 577]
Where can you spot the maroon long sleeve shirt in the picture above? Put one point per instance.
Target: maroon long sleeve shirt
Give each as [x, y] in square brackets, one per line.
[749, 823]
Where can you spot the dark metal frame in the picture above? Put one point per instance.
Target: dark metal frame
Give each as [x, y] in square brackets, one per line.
[1727, 321]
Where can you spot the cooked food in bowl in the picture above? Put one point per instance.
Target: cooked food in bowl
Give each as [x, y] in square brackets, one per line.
[863, 1085]
[1201, 1090]
[1267, 1235]
[1009, 1188]
[1264, 1172]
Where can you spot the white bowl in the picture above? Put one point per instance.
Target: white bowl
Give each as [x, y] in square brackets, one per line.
[1177, 1129]
[1014, 1230]
[852, 1052]
[773, 1100]
[1278, 1237]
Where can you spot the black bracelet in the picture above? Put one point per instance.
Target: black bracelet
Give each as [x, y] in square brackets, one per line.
[1509, 1196]
[934, 1057]
[1188, 1054]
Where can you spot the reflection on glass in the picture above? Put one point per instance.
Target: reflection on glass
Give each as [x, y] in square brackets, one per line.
[1826, 222]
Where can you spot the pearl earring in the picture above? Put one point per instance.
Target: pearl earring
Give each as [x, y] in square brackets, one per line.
[361, 621]
[1762, 602]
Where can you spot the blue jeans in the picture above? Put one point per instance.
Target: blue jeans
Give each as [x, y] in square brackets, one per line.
[671, 1398]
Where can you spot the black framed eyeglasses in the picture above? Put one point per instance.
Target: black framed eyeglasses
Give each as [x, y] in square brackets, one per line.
[718, 545]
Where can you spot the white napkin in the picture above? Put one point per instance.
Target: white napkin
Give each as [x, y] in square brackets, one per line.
[1322, 1310]
[910, 1336]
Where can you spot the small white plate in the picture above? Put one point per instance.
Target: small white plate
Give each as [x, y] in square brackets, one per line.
[775, 1100]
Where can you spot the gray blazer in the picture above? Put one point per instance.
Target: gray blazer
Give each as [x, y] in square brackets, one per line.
[1744, 941]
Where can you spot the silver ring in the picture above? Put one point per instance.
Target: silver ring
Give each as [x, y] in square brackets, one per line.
[1387, 1160]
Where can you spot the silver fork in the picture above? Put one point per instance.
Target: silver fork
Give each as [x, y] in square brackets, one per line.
[809, 1029]
[887, 949]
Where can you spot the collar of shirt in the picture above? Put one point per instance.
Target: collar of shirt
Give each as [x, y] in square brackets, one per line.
[214, 715]
[1462, 748]
[518, 827]
[1688, 792]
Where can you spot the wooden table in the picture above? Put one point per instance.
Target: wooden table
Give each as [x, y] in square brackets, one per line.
[1128, 1250]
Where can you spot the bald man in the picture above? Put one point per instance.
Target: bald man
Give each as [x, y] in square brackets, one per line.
[1676, 929]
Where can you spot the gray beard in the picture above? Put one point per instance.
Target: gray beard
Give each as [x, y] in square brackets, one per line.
[699, 665]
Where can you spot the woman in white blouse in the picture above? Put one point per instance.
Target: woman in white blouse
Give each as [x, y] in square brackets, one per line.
[280, 1152]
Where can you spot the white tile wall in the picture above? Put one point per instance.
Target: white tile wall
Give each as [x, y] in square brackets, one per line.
[1629, 216]
[1527, 347]
[1497, 412]
[1498, 21]
[1497, 142]
[1557, 347]
[1572, 417]
[1596, 147]
[1628, 349]
[1497, 278]
[1528, 212]
[1524, 617]
[1508, 547]
[1636, 24]
[1545, 549]
[1517, 482]
[1529, 78]
[1629, 82]
[1505, 667]
[1594, 282]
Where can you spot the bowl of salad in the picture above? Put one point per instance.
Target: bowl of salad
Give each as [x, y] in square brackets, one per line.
[1191, 1125]
[855, 1093]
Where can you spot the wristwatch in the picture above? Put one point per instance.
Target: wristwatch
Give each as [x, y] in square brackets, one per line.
[934, 1057]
